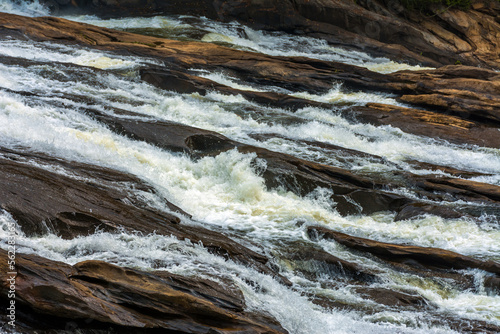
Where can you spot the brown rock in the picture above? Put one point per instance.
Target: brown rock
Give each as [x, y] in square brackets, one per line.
[426, 256]
[393, 298]
[96, 295]
[186, 83]
[428, 123]
[446, 169]
[434, 36]
[413, 210]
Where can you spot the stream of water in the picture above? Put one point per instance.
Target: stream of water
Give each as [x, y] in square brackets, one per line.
[227, 191]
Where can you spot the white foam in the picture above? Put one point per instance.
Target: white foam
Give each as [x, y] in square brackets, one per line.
[23, 7]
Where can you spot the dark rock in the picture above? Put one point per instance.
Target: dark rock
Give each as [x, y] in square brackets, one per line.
[393, 298]
[413, 210]
[492, 284]
[425, 256]
[316, 262]
[112, 298]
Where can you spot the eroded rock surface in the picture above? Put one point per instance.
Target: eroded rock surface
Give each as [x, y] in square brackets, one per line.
[94, 295]
[434, 36]
[425, 256]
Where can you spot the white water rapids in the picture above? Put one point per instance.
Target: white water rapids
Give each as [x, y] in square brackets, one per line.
[227, 191]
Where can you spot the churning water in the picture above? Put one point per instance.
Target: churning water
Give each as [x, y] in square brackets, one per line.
[227, 191]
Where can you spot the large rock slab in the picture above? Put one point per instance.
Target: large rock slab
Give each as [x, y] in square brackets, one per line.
[94, 295]
[426, 256]
[435, 36]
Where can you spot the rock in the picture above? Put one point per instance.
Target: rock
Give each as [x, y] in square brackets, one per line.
[425, 256]
[446, 169]
[340, 153]
[435, 36]
[428, 123]
[353, 194]
[186, 83]
[467, 92]
[413, 210]
[393, 298]
[315, 263]
[282, 170]
[95, 295]
[475, 92]
[492, 284]
[460, 188]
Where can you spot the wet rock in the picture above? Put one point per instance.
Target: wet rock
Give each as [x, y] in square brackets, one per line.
[428, 123]
[282, 170]
[471, 189]
[425, 256]
[316, 76]
[393, 298]
[492, 284]
[95, 295]
[340, 153]
[382, 28]
[413, 210]
[185, 83]
[315, 263]
[446, 169]
[475, 92]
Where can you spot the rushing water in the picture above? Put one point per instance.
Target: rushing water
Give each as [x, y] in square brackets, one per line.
[227, 191]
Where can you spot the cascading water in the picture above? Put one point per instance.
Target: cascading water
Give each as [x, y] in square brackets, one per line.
[228, 191]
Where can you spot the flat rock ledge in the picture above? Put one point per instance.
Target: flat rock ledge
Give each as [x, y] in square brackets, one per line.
[94, 295]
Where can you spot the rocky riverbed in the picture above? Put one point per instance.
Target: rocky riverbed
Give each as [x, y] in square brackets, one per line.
[254, 172]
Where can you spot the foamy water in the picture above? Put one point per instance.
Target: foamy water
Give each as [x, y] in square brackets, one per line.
[228, 191]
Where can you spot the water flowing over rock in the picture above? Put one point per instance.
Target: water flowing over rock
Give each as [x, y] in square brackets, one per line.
[289, 219]
[95, 295]
[437, 36]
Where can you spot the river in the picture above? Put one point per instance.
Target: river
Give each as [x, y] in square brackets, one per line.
[227, 192]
